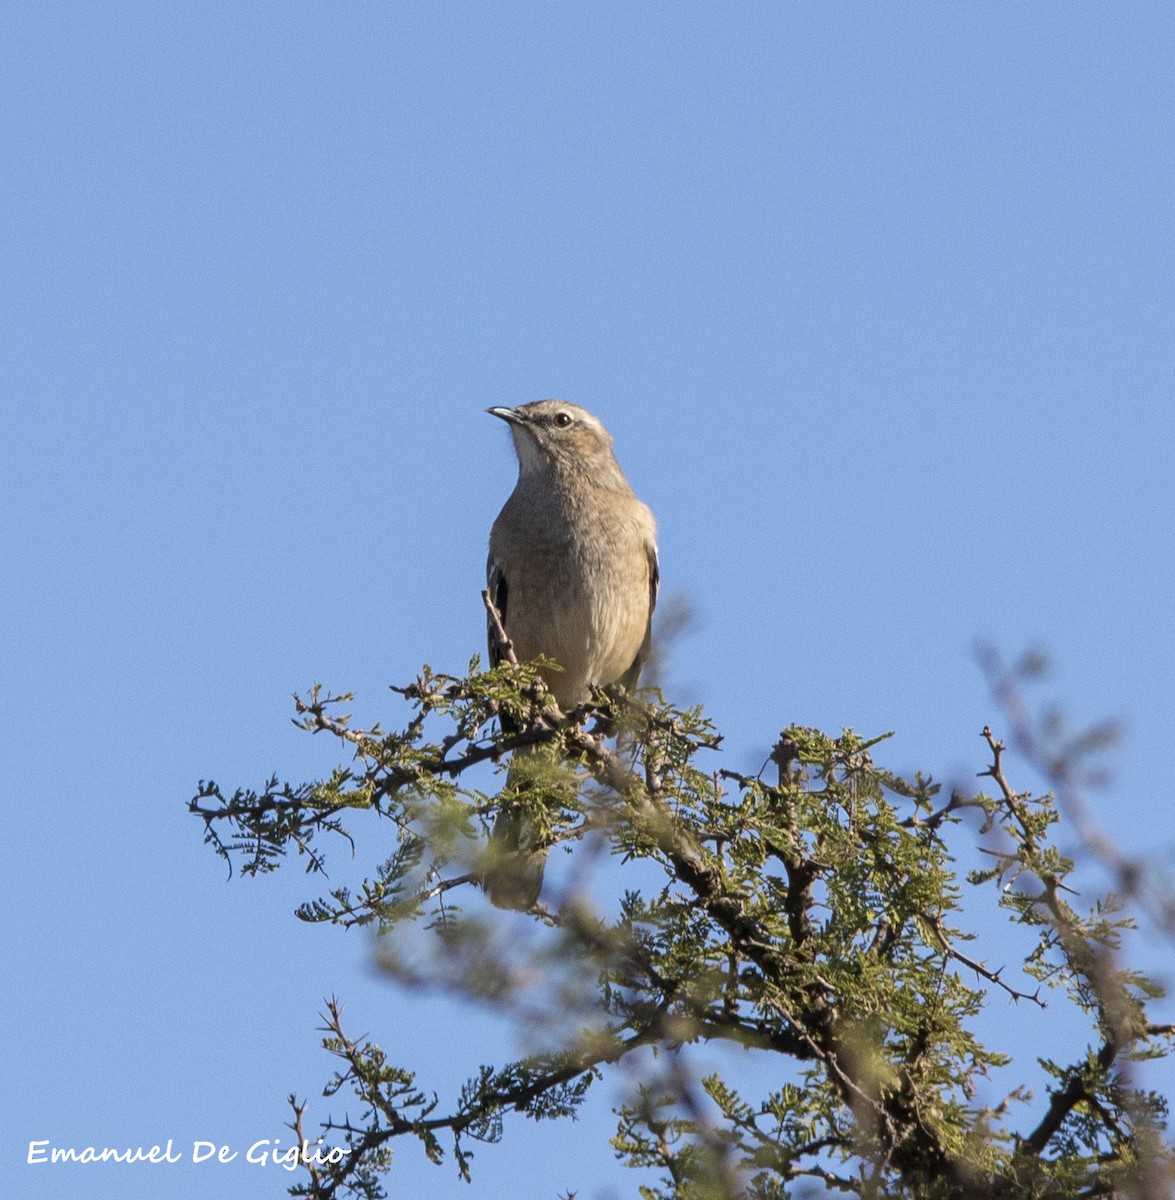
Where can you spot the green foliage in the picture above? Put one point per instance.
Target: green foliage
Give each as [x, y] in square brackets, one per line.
[817, 918]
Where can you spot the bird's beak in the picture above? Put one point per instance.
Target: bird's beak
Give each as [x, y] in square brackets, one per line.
[509, 415]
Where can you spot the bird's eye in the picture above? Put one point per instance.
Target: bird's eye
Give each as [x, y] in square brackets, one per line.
[563, 419]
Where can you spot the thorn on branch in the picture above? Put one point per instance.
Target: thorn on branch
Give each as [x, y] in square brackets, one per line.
[503, 645]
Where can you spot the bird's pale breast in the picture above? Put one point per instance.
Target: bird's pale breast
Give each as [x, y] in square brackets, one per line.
[579, 592]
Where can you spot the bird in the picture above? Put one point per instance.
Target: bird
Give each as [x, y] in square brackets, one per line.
[573, 573]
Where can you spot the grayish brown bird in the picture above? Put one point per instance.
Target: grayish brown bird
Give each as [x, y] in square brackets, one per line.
[573, 574]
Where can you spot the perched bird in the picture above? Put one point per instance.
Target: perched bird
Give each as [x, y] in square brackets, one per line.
[573, 574]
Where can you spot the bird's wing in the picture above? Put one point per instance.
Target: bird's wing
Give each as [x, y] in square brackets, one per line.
[630, 677]
[496, 582]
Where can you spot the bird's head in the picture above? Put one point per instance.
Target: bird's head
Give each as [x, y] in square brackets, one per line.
[554, 435]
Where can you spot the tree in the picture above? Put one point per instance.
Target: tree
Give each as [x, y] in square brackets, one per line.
[816, 917]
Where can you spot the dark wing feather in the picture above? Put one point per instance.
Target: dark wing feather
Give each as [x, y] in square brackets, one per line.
[496, 582]
[630, 677]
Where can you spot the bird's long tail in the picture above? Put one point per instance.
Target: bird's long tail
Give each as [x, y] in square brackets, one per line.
[513, 876]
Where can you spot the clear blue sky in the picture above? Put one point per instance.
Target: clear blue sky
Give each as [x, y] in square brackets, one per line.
[876, 300]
